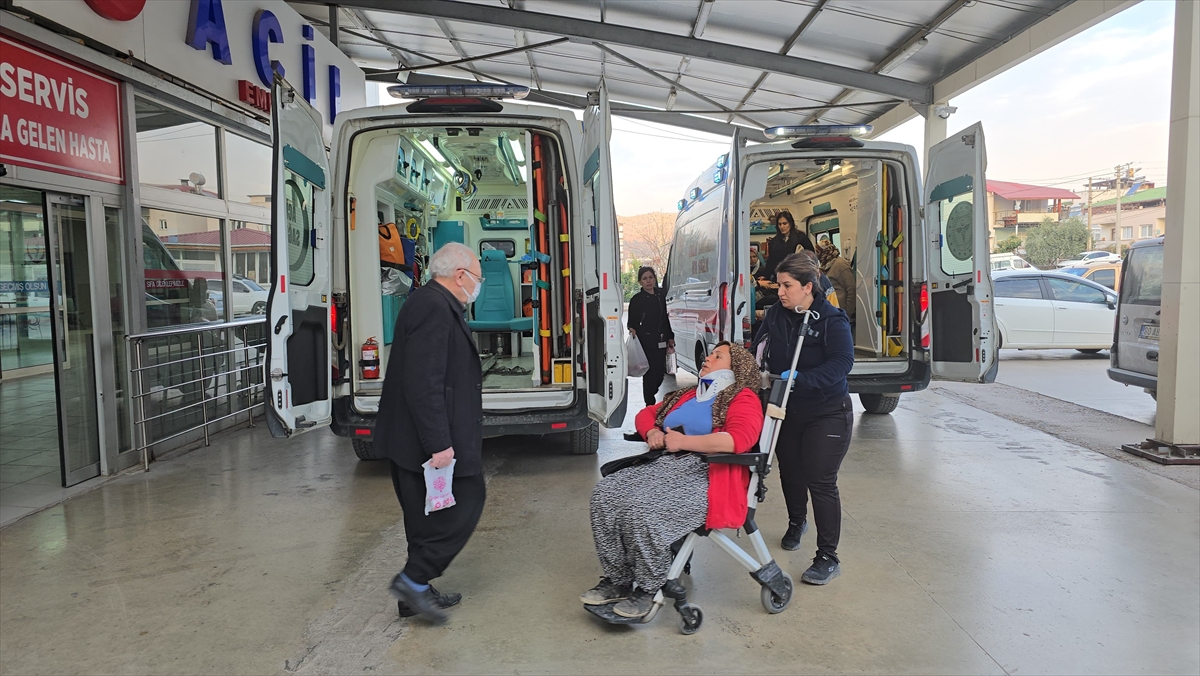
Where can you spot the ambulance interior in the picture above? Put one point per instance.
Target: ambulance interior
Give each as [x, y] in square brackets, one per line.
[859, 206]
[499, 190]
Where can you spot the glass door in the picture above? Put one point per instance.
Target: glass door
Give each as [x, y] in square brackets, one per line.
[75, 344]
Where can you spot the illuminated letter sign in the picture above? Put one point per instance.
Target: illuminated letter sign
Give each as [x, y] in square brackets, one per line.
[266, 31]
[308, 60]
[206, 26]
[335, 91]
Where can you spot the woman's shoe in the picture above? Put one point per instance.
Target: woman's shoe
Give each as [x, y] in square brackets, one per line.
[605, 592]
[823, 569]
[637, 605]
[791, 539]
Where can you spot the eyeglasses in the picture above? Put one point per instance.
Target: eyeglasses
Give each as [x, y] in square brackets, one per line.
[478, 278]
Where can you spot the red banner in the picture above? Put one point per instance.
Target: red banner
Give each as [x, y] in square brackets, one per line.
[57, 116]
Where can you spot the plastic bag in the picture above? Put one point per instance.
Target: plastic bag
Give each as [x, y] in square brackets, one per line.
[395, 282]
[439, 484]
[672, 364]
[635, 357]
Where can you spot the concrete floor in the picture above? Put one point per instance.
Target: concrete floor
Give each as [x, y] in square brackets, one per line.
[1070, 375]
[971, 544]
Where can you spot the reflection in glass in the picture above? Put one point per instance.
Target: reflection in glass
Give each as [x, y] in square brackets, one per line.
[248, 164]
[183, 268]
[175, 151]
[115, 242]
[26, 339]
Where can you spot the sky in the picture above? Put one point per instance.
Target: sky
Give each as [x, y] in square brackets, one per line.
[1080, 108]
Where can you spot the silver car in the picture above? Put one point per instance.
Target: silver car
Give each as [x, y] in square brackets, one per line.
[1134, 356]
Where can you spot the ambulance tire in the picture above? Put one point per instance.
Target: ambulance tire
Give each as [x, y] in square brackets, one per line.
[586, 441]
[365, 450]
[875, 402]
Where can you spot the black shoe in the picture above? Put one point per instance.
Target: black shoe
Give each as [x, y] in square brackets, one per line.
[604, 593]
[444, 601]
[791, 539]
[636, 605]
[823, 569]
[424, 603]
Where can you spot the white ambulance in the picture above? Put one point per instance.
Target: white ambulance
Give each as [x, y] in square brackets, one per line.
[922, 301]
[522, 185]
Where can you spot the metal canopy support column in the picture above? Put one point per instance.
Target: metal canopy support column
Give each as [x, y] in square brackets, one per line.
[586, 31]
[935, 131]
[1179, 365]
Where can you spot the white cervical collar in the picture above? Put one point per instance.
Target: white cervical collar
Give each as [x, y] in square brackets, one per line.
[713, 383]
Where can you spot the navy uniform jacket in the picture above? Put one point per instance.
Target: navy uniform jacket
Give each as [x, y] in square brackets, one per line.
[433, 390]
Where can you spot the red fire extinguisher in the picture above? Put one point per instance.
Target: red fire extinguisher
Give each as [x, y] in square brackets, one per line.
[370, 359]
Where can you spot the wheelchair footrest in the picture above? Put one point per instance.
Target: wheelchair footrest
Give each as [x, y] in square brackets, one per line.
[605, 612]
[771, 576]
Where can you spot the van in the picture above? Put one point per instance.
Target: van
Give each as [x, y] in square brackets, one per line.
[522, 185]
[1008, 261]
[923, 296]
[1105, 274]
[1133, 359]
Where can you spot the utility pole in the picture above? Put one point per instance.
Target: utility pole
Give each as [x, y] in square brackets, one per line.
[1091, 242]
[1120, 172]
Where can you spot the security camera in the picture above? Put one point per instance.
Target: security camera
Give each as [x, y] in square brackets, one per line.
[945, 112]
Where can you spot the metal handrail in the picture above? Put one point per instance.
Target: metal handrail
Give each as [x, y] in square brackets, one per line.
[217, 364]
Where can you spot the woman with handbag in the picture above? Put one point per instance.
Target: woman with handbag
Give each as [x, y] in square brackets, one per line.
[820, 416]
[639, 511]
[649, 323]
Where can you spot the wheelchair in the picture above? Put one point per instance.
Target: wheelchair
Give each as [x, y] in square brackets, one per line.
[777, 585]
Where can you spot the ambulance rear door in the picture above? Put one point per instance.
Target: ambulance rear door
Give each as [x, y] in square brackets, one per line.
[960, 284]
[603, 298]
[298, 360]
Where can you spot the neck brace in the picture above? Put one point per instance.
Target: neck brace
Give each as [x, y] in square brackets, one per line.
[713, 383]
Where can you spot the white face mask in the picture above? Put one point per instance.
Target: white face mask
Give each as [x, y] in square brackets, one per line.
[473, 293]
[713, 383]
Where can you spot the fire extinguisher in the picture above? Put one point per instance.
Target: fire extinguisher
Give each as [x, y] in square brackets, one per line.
[370, 360]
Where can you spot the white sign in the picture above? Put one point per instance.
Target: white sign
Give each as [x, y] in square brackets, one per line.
[159, 35]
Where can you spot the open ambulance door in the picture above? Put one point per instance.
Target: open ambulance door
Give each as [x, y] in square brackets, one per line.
[298, 361]
[603, 298]
[960, 284]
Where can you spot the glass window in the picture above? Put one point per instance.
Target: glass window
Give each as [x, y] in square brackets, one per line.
[508, 246]
[25, 333]
[1147, 230]
[299, 196]
[1107, 277]
[1075, 292]
[957, 218]
[1143, 276]
[1126, 232]
[1023, 287]
[175, 151]
[183, 269]
[248, 165]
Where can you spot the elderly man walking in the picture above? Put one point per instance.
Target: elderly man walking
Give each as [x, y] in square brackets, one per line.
[432, 410]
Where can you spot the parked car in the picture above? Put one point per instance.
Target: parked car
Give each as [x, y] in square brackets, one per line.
[1009, 261]
[248, 297]
[1039, 309]
[1134, 356]
[1088, 257]
[1105, 274]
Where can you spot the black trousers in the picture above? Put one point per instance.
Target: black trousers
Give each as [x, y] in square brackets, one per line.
[810, 449]
[657, 356]
[434, 540]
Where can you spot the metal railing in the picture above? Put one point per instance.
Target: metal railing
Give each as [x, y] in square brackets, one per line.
[191, 377]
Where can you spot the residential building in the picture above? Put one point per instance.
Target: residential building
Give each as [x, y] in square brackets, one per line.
[1017, 205]
[1143, 215]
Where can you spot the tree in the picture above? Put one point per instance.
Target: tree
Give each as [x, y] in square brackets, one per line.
[1052, 242]
[1009, 245]
[629, 282]
[648, 238]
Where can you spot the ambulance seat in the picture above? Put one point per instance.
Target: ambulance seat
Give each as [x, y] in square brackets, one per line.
[496, 308]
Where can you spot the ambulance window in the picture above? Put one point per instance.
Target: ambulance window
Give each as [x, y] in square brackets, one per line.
[299, 227]
[508, 246]
[956, 217]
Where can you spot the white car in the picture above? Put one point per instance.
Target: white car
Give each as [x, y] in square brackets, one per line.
[248, 298]
[1089, 257]
[1052, 310]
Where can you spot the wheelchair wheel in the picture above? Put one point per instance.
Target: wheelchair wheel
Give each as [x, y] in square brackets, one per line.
[774, 603]
[690, 619]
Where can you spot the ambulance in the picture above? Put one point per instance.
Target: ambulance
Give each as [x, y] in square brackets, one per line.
[922, 303]
[525, 187]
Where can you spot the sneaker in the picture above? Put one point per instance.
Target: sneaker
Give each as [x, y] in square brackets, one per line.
[605, 592]
[791, 539]
[637, 605]
[823, 569]
[424, 603]
[444, 601]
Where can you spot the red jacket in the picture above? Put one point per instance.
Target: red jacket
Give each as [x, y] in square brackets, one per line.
[727, 484]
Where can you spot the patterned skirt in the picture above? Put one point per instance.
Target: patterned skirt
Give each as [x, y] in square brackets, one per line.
[639, 512]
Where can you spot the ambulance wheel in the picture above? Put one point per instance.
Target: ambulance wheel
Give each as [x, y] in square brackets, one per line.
[586, 441]
[772, 602]
[690, 619]
[878, 403]
[365, 450]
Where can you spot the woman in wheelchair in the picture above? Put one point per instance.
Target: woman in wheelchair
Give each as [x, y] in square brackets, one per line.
[638, 512]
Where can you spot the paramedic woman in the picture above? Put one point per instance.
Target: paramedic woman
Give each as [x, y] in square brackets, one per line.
[649, 323]
[816, 431]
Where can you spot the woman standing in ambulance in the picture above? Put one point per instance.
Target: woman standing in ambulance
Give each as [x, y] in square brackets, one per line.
[649, 323]
[820, 416]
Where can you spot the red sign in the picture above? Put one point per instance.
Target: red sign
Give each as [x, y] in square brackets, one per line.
[117, 10]
[248, 92]
[57, 116]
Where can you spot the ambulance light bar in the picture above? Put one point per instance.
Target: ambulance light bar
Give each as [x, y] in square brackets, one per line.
[805, 131]
[474, 90]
